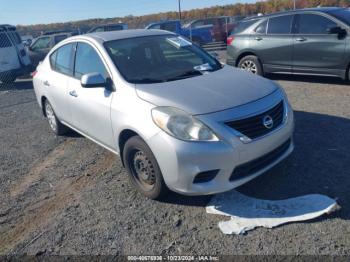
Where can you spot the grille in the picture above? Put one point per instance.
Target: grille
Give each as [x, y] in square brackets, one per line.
[254, 166]
[254, 127]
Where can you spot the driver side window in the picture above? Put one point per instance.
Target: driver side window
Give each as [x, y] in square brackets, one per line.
[88, 61]
[314, 24]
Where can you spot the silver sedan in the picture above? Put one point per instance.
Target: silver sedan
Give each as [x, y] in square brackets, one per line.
[179, 119]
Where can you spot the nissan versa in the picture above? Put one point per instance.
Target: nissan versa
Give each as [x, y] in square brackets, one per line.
[308, 41]
[179, 119]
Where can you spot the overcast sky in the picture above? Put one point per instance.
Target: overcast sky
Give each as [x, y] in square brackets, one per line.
[50, 11]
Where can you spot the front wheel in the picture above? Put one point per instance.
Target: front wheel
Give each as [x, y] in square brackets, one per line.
[143, 169]
[251, 64]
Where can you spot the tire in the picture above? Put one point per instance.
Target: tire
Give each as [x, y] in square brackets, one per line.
[143, 170]
[251, 64]
[56, 126]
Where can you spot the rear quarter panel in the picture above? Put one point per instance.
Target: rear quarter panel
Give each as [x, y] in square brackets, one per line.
[239, 46]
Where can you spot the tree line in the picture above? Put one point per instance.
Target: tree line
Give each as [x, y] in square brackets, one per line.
[263, 7]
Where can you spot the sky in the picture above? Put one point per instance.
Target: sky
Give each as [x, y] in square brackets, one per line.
[27, 12]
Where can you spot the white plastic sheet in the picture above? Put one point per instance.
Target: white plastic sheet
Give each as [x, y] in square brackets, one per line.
[248, 213]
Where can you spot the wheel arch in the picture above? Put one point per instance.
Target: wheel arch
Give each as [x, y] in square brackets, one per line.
[123, 137]
[43, 99]
[244, 54]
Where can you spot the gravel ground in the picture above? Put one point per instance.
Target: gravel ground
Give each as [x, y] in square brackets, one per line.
[68, 196]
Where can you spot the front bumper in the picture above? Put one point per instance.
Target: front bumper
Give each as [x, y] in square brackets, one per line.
[181, 161]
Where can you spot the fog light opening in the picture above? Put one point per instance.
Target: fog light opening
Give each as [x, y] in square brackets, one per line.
[206, 176]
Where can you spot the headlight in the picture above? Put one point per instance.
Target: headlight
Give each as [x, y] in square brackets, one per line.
[181, 125]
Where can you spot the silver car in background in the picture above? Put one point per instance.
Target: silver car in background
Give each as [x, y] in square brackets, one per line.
[179, 119]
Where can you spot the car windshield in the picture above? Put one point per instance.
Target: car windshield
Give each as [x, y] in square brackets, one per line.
[156, 59]
[342, 14]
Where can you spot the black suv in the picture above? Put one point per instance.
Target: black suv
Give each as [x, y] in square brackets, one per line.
[308, 41]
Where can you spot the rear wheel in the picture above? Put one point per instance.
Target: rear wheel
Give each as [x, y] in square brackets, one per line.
[143, 169]
[56, 126]
[251, 64]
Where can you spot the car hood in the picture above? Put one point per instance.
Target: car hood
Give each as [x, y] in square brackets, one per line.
[215, 91]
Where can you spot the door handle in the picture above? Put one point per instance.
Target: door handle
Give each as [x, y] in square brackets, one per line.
[46, 83]
[301, 39]
[258, 38]
[73, 93]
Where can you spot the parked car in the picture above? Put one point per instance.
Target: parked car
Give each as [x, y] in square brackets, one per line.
[200, 35]
[108, 27]
[221, 26]
[27, 40]
[55, 32]
[308, 41]
[179, 119]
[14, 60]
[43, 44]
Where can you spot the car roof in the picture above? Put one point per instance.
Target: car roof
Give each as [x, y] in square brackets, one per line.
[315, 9]
[4, 27]
[124, 34]
[55, 34]
[109, 24]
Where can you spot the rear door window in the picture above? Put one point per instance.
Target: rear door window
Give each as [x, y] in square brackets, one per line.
[280, 24]
[61, 59]
[261, 28]
[4, 40]
[314, 24]
[243, 25]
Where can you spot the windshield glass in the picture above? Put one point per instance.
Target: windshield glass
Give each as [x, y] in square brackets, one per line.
[155, 59]
[343, 15]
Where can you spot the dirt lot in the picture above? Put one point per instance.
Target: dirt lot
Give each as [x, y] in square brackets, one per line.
[69, 196]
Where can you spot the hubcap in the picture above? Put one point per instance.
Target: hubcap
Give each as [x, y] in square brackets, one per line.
[51, 117]
[249, 66]
[143, 171]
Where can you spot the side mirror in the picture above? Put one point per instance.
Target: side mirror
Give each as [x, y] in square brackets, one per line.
[337, 30]
[93, 80]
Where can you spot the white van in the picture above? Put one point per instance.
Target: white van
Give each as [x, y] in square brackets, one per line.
[14, 60]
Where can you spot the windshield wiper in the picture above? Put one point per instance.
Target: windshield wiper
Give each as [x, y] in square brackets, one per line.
[186, 74]
[146, 81]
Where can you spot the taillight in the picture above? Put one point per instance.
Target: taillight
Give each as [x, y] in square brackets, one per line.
[230, 40]
[34, 73]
